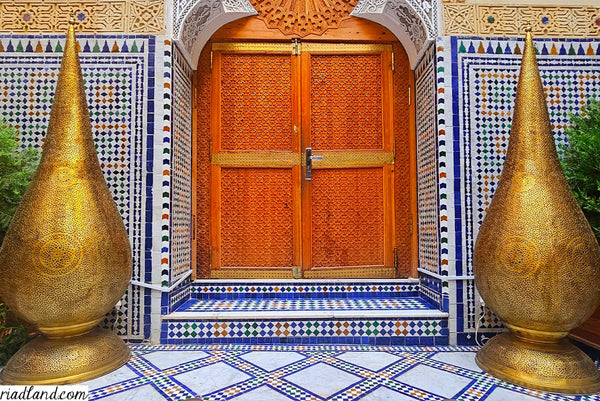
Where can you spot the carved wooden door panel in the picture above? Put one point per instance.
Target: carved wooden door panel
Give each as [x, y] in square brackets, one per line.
[255, 173]
[278, 210]
[347, 123]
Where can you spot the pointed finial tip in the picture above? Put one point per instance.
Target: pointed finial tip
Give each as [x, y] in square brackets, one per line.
[72, 21]
[528, 28]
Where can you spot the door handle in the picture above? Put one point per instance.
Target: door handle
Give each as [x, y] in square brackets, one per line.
[309, 159]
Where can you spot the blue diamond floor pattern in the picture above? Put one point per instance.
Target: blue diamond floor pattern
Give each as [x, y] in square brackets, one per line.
[306, 372]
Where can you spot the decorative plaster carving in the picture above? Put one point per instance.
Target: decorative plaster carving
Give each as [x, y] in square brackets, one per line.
[199, 12]
[203, 19]
[428, 11]
[459, 18]
[414, 22]
[369, 7]
[303, 18]
[425, 9]
[197, 19]
[238, 6]
[181, 8]
[413, 25]
[500, 20]
[140, 16]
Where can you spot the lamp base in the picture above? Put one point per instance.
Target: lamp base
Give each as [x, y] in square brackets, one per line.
[558, 367]
[66, 360]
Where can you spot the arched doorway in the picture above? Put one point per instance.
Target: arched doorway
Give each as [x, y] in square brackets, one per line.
[262, 100]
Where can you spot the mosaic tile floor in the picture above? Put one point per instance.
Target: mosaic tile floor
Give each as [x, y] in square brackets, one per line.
[200, 305]
[285, 372]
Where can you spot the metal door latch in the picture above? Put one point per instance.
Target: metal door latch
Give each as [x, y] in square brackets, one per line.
[309, 159]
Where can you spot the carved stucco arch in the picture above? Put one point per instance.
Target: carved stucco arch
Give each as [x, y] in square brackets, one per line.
[414, 22]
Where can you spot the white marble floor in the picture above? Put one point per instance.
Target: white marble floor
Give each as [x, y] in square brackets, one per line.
[328, 372]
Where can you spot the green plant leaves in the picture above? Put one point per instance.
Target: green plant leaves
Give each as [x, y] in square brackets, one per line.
[581, 162]
[16, 170]
[13, 334]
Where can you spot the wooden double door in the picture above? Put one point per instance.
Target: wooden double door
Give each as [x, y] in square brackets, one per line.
[302, 155]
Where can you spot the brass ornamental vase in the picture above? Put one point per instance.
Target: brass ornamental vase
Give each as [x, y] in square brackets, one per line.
[66, 258]
[536, 260]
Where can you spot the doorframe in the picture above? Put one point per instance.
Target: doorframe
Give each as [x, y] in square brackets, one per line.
[245, 29]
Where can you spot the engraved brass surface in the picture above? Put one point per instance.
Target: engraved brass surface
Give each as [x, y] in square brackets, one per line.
[354, 158]
[351, 272]
[345, 272]
[254, 47]
[330, 159]
[314, 47]
[42, 360]
[557, 367]
[256, 159]
[536, 260]
[240, 272]
[66, 258]
[296, 48]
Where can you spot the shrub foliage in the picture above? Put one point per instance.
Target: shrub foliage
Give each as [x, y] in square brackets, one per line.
[16, 169]
[581, 162]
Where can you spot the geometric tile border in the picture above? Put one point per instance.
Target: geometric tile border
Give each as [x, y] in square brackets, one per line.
[389, 379]
[427, 165]
[485, 75]
[313, 331]
[118, 71]
[181, 167]
[290, 289]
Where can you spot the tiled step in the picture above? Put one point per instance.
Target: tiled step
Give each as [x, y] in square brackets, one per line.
[304, 308]
[292, 289]
[382, 312]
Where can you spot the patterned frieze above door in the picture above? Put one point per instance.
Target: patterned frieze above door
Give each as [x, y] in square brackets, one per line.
[92, 16]
[413, 22]
[570, 19]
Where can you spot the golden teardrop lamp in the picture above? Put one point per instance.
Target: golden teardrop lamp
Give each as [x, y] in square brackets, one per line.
[66, 258]
[536, 260]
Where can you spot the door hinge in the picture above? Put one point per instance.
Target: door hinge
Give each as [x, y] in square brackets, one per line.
[193, 227]
[296, 47]
[393, 62]
[297, 272]
[211, 58]
[409, 95]
[396, 258]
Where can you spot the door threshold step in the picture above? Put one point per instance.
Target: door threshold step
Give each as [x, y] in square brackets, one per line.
[304, 281]
[215, 309]
[282, 315]
[369, 311]
[304, 288]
